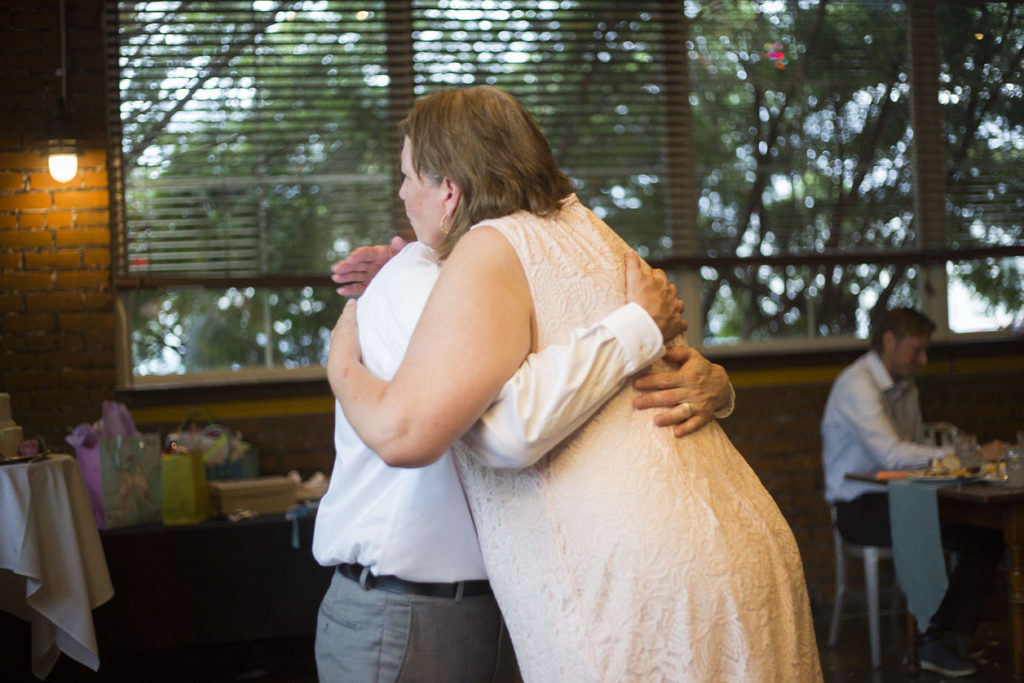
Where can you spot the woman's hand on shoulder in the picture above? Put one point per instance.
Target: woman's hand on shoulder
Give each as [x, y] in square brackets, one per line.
[651, 289]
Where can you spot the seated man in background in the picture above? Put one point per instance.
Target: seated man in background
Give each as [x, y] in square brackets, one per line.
[872, 422]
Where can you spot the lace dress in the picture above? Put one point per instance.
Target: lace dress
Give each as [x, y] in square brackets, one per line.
[626, 554]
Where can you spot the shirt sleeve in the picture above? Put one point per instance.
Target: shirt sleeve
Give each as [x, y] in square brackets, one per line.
[558, 388]
[726, 410]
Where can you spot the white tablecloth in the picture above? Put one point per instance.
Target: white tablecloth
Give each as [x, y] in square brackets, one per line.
[52, 569]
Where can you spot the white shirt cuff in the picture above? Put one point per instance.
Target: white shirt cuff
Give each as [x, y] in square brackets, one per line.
[638, 335]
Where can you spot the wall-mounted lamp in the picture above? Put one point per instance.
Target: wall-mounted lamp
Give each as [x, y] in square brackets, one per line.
[61, 144]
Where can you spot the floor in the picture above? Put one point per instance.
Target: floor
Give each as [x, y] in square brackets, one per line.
[291, 661]
[850, 660]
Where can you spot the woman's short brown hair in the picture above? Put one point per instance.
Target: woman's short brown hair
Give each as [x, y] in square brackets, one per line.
[486, 142]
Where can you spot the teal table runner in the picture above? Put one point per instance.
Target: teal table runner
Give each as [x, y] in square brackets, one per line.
[917, 546]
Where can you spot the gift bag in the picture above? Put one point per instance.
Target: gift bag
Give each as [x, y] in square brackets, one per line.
[121, 468]
[87, 452]
[129, 468]
[183, 482]
[225, 454]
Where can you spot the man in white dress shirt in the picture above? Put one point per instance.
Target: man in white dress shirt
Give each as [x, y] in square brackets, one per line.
[410, 598]
[873, 422]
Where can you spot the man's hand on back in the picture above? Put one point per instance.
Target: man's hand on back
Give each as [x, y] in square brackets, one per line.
[356, 270]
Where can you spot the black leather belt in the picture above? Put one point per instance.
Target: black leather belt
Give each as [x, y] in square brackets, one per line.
[393, 584]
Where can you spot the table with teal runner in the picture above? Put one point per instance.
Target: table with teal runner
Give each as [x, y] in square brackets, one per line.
[983, 504]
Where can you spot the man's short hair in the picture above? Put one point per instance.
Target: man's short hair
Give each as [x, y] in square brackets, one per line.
[901, 322]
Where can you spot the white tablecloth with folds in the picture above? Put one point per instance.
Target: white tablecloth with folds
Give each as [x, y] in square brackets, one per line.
[52, 569]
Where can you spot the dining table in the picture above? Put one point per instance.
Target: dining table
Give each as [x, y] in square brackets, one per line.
[989, 504]
[52, 568]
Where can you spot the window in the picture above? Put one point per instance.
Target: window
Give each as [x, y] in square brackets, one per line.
[981, 94]
[806, 164]
[764, 147]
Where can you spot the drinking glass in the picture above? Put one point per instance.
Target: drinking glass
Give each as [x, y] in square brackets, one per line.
[1015, 467]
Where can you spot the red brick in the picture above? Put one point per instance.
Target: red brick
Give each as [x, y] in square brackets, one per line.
[58, 219]
[96, 257]
[83, 279]
[93, 158]
[22, 281]
[73, 322]
[12, 302]
[83, 236]
[22, 161]
[99, 338]
[8, 220]
[96, 301]
[62, 358]
[13, 361]
[85, 376]
[59, 392]
[44, 181]
[94, 217]
[81, 199]
[71, 342]
[25, 200]
[101, 357]
[66, 258]
[12, 344]
[29, 322]
[10, 260]
[29, 361]
[27, 238]
[35, 219]
[53, 301]
[12, 181]
[95, 179]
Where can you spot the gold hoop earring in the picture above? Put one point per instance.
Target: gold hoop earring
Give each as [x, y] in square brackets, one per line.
[443, 219]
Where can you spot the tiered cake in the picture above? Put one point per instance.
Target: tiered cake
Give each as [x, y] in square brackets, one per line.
[10, 433]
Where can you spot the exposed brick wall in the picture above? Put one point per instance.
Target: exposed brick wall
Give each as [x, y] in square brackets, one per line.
[56, 307]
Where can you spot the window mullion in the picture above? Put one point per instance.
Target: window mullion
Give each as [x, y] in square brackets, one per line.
[929, 167]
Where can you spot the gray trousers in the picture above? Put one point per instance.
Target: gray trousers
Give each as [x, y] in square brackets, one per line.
[372, 636]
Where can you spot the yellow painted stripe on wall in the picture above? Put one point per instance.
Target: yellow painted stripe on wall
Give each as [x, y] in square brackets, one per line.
[828, 373]
[319, 405]
[777, 376]
[313, 405]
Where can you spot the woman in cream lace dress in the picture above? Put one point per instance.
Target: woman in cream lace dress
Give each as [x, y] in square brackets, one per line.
[625, 554]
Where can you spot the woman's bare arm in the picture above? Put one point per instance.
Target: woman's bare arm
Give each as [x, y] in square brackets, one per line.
[474, 333]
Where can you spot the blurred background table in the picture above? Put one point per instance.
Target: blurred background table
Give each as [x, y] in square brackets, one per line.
[52, 569]
[993, 506]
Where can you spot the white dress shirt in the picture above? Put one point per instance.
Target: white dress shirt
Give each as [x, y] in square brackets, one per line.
[871, 422]
[415, 523]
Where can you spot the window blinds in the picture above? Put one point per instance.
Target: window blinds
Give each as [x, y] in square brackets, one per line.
[256, 138]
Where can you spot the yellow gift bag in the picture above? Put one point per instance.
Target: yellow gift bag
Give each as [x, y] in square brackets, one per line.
[186, 499]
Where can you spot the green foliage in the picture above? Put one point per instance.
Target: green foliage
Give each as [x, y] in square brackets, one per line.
[810, 154]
